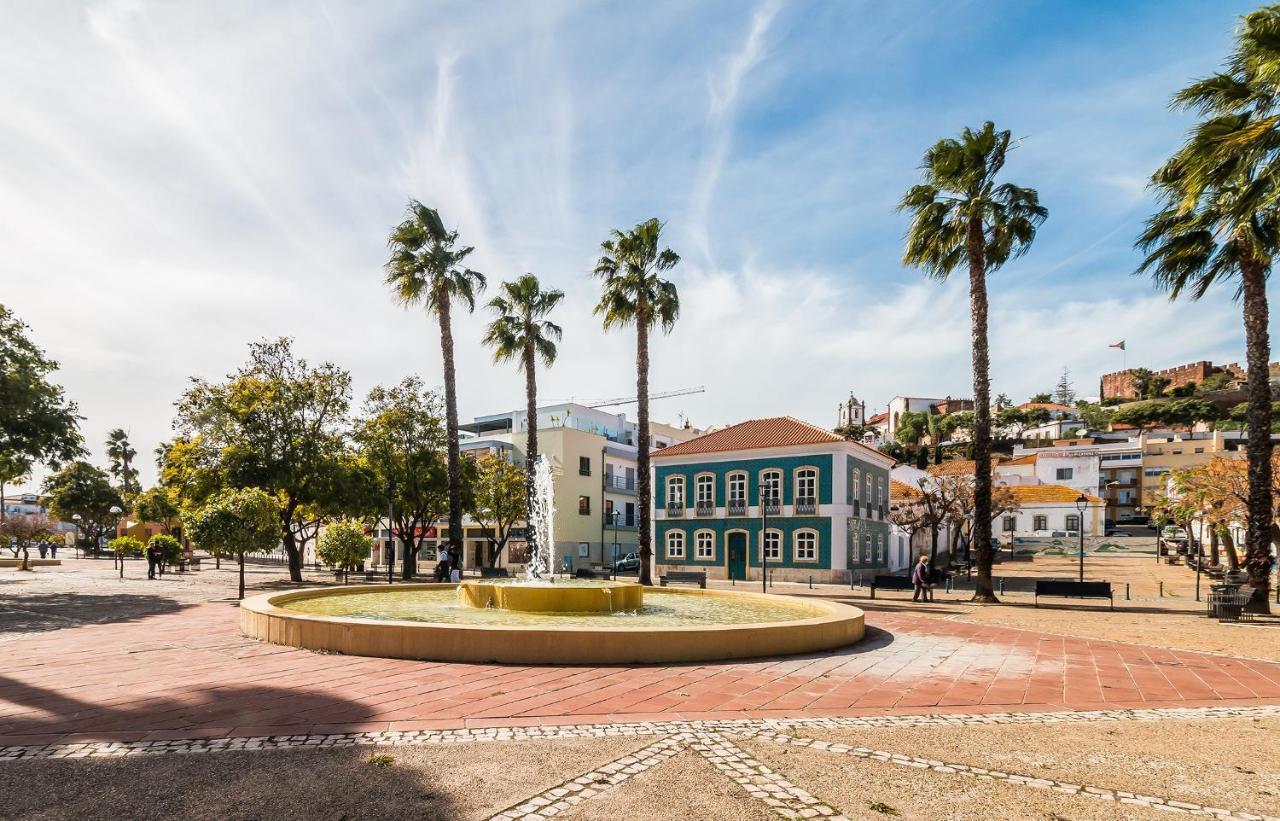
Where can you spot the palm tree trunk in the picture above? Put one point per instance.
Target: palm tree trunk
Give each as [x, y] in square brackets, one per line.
[531, 445]
[1229, 547]
[983, 590]
[644, 491]
[451, 431]
[241, 557]
[1257, 559]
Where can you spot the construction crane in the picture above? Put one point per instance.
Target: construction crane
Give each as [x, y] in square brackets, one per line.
[628, 400]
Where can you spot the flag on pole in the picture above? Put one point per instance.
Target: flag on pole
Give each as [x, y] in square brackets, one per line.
[1119, 345]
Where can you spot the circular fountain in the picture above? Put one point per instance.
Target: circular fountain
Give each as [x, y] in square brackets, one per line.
[544, 620]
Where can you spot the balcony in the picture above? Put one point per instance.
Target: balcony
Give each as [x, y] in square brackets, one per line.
[619, 483]
[736, 507]
[772, 506]
[675, 510]
[806, 505]
[704, 509]
[868, 510]
[616, 521]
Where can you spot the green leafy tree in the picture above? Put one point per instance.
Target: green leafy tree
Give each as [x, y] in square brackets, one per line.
[170, 548]
[1002, 402]
[912, 427]
[401, 436]
[962, 218]
[236, 522]
[633, 292]
[426, 269]
[1094, 415]
[499, 501]
[1010, 422]
[521, 332]
[855, 433]
[1218, 223]
[278, 424]
[1064, 393]
[126, 546]
[1140, 415]
[156, 505]
[38, 424]
[1040, 398]
[14, 467]
[80, 488]
[1217, 381]
[120, 454]
[344, 545]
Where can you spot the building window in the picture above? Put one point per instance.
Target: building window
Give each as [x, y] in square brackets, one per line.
[856, 483]
[705, 544]
[584, 465]
[855, 549]
[675, 491]
[868, 488]
[879, 549]
[1073, 522]
[880, 492]
[771, 487]
[675, 544]
[1040, 523]
[705, 490]
[737, 501]
[806, 500]
[806, 546]
[1010, 524]
[773, 545]
[1065, 474]
[866, 548]
[584, 505]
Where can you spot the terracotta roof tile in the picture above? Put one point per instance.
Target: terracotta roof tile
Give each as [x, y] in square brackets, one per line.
[1049, 406]
[772, 432]
[957, 466]
[1031, 494]
[878, 418]
[1025, 459]
[902, 490]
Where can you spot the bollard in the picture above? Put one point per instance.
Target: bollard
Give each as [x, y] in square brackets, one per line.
[811, 582]
[1162, 588]
[1001, 587]
[1126, 591]
[948, 588]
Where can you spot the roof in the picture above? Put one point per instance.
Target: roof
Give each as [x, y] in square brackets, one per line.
[771, 432]
[1049, 406]
[1025, 459]
[902, 490]
[878, 418]
[1031, 494]
[958, 466]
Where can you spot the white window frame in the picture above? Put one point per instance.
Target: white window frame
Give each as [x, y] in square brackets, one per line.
[737, 478]
[802, 474]
[765, 476]
[674, 482]
[796, 550]
[868, 500]
[699, 484]
[857, 485]
[764, 540]
[879, 491]
[710, 544]
[866, 550]
[879, 553]
[674, 551]
[1059, 477]
[1037, 519]
[1072, 521]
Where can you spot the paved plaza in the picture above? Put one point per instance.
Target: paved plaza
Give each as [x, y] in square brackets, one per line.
[100, 672]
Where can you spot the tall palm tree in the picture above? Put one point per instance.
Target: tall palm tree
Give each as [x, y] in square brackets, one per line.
[522, 332]
[960, 217]
[426, 269]
[1218, 222]
[120, 452]
[632, 292]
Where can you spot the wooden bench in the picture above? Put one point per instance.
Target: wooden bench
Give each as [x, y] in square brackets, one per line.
[494, 573]
[698, 577]
[1073, 590]
[890, 583]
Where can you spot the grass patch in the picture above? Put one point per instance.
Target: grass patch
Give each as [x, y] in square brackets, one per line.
[882, 808]
[382, 760]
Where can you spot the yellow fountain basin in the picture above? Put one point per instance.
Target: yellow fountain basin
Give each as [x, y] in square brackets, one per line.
[601, 597]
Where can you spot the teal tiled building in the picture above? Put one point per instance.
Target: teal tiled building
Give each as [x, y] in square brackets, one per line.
[776, 492]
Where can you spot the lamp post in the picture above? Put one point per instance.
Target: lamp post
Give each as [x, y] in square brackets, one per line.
[613, 520]
[115, 511]
[1082, 504]
[764, 533]
[391, 533]
[77, 518]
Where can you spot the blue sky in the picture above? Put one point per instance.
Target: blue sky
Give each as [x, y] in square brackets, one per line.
[180, 179]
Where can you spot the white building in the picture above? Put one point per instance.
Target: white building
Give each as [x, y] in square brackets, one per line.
[1046, 510]
[851, 412]
[1073, 465]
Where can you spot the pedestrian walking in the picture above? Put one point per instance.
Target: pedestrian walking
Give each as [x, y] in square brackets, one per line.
[921, 578]
[154, 558]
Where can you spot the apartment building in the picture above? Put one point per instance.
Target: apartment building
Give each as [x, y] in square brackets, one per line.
[775, 492]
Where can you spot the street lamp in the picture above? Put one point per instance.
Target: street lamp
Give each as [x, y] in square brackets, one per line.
[115, 511]
[391, 533]
[77, 518]
[1082, 504]
[764, 535]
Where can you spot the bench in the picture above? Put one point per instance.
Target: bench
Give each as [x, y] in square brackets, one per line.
[584, 573]
[193, 563]
[698, 577]
[494, 573]
[371, 575]
[890, 583]
[1073, 590]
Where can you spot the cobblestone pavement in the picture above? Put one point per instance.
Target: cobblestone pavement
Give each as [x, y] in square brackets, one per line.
[712, 740]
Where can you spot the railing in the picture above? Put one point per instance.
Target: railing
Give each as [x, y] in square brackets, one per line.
[704, 508]
[736, 507]
[612, 482]
[857, 509]
[772, 506]
[675, 508]
[618, 523]
[868, 510]
[806, 505]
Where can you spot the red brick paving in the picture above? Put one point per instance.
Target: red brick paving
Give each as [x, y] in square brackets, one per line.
[191, 674]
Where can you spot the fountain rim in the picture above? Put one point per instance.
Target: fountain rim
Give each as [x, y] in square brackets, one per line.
[267, 604]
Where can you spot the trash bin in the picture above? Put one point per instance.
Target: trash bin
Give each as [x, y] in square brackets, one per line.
[1227, 601]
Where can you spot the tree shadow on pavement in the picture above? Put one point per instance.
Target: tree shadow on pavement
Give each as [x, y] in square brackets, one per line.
[39, 612]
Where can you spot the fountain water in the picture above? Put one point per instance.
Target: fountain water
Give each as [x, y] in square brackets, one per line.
[542, 516]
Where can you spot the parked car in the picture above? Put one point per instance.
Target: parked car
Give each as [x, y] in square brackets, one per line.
[1117, 534]
[631, 561]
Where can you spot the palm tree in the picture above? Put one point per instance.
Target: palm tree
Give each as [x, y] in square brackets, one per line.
[425, 269]
[522, 332]
[961, 217]
[1218, 223]
[633, 293]
[121, 454]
